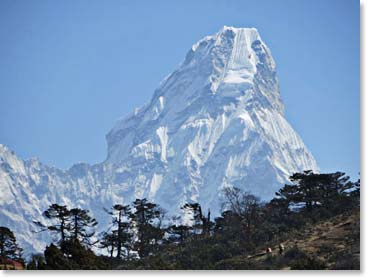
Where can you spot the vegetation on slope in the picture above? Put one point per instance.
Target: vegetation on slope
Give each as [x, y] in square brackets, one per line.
[312, 223]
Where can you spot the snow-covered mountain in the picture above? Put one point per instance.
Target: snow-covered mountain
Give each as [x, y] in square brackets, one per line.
[216, 121]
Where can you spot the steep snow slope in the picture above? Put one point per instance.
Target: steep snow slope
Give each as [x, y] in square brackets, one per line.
[216, 121]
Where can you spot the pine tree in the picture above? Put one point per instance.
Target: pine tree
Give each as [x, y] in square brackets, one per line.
[56, 260]
[288, 196]
[60, 215]
[108, 241]
[322, 190]
[9, 248]
[147, 219]
[122, 234]
[81, 225]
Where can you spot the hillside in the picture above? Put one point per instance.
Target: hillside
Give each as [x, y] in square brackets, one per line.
[311, 224]
[330, 244]
[334, 244]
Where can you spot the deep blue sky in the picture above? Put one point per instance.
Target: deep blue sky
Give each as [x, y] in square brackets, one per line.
[70, 69]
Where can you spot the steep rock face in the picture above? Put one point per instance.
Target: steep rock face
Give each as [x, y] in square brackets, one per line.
[216, 121]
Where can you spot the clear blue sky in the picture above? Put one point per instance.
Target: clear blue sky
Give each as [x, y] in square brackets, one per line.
[70, 69]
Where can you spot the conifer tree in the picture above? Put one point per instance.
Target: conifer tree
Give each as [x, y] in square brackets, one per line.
[8, 245]
[322, 190]
[56, 260]
[60, 216]
[121, 236]
[146, 218]
[108, 241]
[81, 226]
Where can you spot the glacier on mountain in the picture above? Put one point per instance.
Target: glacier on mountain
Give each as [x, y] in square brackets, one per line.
[216, 121]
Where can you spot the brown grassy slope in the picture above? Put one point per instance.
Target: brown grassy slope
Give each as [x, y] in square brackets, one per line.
[335, 241]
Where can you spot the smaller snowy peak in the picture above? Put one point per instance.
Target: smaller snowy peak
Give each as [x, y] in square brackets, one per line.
[33, 162]
[7, 154]
[9, 160]
[3, 149]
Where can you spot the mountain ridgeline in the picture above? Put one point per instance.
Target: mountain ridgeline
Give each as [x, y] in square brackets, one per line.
[216, 122]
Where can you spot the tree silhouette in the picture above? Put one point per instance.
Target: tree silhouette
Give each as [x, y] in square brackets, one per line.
[81, 225]
[122, 236]
[147, 220]
[60, 215]
[8, 245]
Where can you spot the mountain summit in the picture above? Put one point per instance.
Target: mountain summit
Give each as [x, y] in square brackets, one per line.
[216, 121]
[232, 66]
